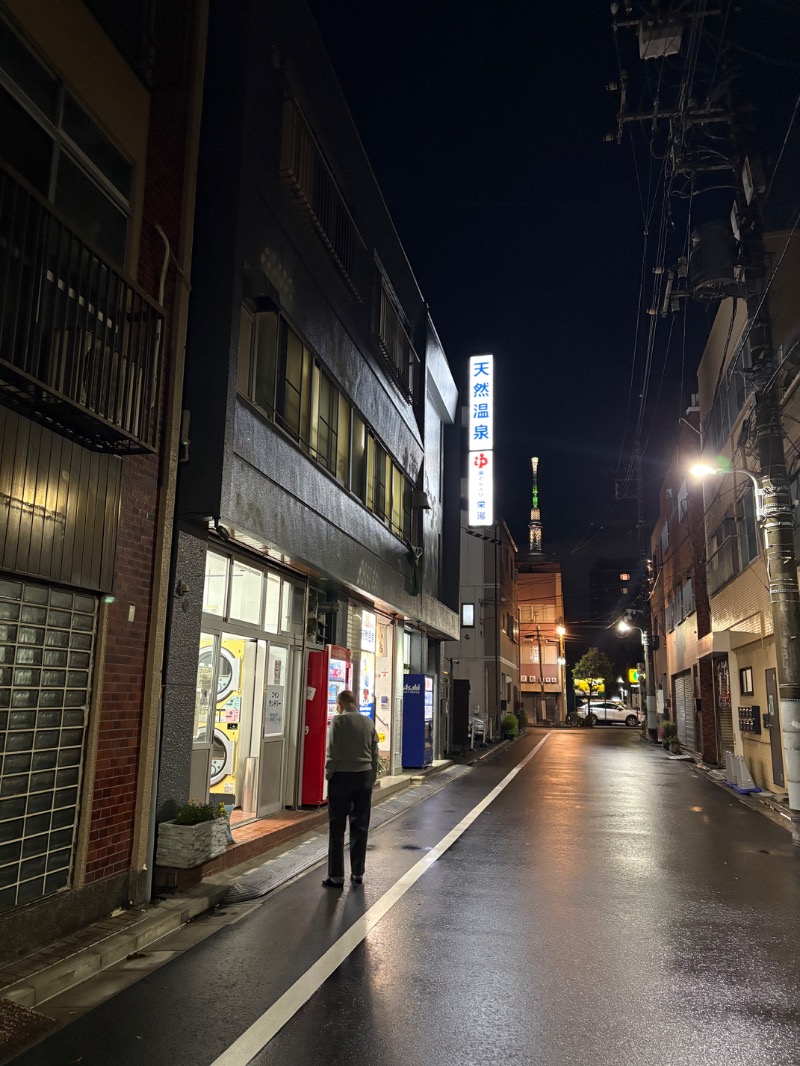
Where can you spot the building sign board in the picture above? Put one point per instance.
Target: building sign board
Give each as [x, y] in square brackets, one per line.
[480, 432]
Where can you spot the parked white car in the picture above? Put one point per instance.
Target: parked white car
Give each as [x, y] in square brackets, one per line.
[608, 711]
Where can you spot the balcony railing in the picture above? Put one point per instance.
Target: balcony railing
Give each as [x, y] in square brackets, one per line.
[304, 169]
[394, 343]
[78, 340]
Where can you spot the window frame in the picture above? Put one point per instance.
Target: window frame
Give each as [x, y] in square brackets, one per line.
[746, 682]
[353, 455]
[63, 144]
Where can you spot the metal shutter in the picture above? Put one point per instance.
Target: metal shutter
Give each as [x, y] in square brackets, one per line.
[683, 689]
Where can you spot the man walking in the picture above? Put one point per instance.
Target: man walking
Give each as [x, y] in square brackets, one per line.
[351, 769]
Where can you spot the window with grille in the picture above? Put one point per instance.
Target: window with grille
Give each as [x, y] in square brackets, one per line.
[46, 648]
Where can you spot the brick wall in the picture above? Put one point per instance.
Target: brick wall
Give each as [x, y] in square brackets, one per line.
[113, 812]
[113, 806]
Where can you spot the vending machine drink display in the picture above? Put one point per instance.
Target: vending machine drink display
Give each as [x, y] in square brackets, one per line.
[329, 671]
[417, 720]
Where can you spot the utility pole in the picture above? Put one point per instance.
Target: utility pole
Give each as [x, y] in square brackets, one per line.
[542, 700]
[660, 37]
[778, 521]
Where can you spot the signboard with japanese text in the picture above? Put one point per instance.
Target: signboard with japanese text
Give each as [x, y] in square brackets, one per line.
[481, 488]
[480, 441]
[273, 710]
[481, 403]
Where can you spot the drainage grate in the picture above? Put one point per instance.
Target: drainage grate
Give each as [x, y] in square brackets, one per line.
[275, 872]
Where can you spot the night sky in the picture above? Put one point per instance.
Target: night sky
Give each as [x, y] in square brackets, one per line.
[484, 123]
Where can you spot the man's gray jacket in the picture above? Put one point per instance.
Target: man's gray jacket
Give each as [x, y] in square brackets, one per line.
[352, 744]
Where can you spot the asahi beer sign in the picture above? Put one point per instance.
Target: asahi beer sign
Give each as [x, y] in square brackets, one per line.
[480, 466]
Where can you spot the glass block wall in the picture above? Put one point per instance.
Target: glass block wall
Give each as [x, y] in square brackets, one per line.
[46, 646]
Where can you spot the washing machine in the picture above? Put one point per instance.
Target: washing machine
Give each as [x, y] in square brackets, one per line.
[223, 757]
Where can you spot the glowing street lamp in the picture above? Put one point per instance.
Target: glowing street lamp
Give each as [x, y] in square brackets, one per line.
[647, 689]
[701, 470]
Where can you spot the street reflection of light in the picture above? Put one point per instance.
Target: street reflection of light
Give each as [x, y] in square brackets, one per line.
[695, 808]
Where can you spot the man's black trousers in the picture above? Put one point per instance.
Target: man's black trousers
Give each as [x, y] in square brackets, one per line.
[349, 795]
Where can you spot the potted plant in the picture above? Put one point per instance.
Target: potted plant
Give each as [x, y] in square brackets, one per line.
[197, 833]
[669, 735]
[509, 726]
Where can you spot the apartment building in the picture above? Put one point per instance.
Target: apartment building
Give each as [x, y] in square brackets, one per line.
[684, 684]
[311, 494]
[741, 645]
[98, 140]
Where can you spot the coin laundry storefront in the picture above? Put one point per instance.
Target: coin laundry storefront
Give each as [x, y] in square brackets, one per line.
[249, 682]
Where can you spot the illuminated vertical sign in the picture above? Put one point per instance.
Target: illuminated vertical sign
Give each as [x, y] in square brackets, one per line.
[480, 429]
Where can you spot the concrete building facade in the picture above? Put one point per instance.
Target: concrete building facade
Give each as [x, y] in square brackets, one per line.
[740, 646]
[311, 493]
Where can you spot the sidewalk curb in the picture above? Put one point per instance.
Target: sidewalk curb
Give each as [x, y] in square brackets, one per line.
[88, 962]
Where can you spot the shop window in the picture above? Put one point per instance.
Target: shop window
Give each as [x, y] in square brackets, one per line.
[204, 701]
[272, 603]
[215, 588]
[467, 615]
[746, 681]
[292, 608]
[245, 593]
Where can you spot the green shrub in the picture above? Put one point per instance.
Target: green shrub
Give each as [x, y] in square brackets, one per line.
[510, 725]
[669, 730]
[191, 813]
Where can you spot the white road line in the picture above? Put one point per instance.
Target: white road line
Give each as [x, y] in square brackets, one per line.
[247, 1046]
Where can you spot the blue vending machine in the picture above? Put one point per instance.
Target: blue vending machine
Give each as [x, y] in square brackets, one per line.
[417, 721]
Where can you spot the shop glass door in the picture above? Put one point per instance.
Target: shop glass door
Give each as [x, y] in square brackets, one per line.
[276, 697]
[229, 781]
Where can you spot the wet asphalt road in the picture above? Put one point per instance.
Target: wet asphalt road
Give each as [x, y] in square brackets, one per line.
[609, 907]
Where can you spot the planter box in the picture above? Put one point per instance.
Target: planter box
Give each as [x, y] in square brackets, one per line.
[185, 846]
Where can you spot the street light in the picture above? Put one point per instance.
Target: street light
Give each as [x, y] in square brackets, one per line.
[701, 470]
[561, 633]
[647, 691]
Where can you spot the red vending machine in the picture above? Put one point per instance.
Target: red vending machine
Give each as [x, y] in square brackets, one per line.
[329, 671]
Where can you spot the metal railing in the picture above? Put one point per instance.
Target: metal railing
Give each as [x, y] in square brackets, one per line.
[394, 343]
[304, 169]
[78, 339]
